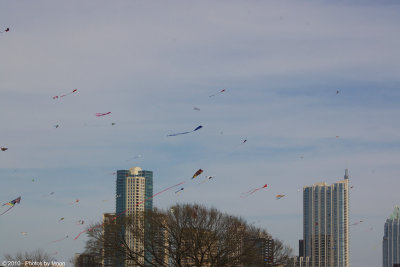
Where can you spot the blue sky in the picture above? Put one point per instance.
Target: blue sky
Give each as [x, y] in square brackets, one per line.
[150, 63]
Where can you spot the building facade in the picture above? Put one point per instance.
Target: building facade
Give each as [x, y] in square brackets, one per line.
[108, 254]
[326, 223]
[134, 192]
[391, 239]
[301, 262]
[264, 247]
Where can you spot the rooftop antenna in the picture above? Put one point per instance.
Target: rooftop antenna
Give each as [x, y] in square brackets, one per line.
[346, 174]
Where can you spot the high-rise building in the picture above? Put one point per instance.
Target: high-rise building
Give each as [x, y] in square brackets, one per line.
[264, 247]
[133, 197]
[326, 223]
[134, 191]
[109, 255]
[301, 248]
[391, 239]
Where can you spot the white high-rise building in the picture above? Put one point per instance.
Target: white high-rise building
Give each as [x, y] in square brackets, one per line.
[133, 198]
[391, 239]
[326, 223]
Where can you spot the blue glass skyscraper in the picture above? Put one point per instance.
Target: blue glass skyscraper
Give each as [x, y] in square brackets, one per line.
[391, 239]
[129, 189]
[325, 223]
[134, 190]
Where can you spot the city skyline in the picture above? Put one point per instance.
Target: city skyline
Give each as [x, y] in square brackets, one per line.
[312, 87]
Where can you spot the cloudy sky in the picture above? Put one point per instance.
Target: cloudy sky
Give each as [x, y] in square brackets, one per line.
[150, 63]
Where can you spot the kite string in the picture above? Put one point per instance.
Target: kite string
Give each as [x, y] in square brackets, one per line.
[115, 217]
[7, 209]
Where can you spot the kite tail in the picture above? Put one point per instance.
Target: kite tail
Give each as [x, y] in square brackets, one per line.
[7, 209]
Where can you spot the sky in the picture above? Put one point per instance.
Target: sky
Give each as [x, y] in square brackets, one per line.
[150, 63]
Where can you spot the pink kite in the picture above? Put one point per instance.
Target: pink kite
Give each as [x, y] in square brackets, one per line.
[102, 114]
[252, 191]
[76, 201]
[73, 91]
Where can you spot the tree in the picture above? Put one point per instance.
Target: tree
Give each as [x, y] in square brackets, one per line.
[36, 256]
[282, 253]
[184, 235]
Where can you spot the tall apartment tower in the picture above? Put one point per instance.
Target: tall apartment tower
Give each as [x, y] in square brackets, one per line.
[134, 191]
[133, 197]
[326, 223]
[391, 239]
[108, 253]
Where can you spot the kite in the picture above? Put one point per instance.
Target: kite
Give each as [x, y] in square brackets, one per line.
[179, 191]
[135, 157]
[80, 222]
[61, 219]
[196, 108]
[223, 90]
[141, 202]
[351, 187]
[207, 179]
[337, 136]
[279, 196]
[11, 204]
[6, 30]
[252, 191]
[51, 193]
[244, 141]
[113, 123]
[76, 201]
[102, 114]
[24, 233]
[58, 240]
[73, 91]
[4, 148]
[337, 92]
[56, 126]
[369, 229]
[197, 173]
[33, 180]
[355, 223]
[197, 128]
